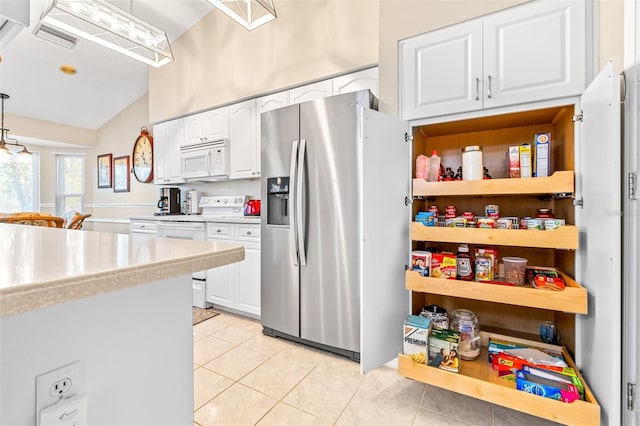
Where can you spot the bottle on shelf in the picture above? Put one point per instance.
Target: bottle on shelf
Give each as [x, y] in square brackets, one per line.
[464, 264]
[434, 167]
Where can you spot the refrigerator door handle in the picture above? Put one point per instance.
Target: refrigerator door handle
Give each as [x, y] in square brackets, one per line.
[299, 211]
[293, 238]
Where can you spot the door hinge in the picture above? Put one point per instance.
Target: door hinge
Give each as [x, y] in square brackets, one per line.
[407, 201]
[633, 180]
[408, 137]
[631, 396]
[579, 202]
[578, 117]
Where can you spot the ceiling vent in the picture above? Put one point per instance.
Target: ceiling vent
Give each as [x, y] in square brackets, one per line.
[55, 35]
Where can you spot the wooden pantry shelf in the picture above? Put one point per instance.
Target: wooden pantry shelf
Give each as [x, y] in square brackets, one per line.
[572, 299]
[558, 182]
[478, 380]
[565, 237]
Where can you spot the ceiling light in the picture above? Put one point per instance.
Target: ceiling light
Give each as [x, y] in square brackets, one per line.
[4, 133]
[54, 35]
[109, 26]
[68, 69]
[248, 13]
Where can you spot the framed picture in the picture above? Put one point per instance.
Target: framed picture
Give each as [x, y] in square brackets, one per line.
[104, 171]
[121, 174]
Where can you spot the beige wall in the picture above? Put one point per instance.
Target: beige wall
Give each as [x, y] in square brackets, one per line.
[400, 19]
[50, 131]
[219, 62]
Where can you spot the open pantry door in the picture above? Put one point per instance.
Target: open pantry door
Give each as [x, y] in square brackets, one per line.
[386, 247]
[599, 258]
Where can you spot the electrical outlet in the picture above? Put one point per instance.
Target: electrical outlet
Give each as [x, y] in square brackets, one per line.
[57, 384]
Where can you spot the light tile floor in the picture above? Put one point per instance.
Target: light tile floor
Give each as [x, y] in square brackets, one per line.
[242, 377]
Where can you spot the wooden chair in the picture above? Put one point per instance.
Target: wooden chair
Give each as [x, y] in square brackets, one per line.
[74, 219]
[34, 219]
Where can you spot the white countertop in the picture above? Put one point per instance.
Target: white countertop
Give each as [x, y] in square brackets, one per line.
[198, 218]
[43, 266]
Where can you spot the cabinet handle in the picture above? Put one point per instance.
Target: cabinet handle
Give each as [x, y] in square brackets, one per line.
[477, 89]
[248, 232]
[218, 230]
[489, 88]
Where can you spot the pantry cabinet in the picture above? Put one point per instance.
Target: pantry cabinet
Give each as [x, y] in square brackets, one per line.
[236, 287]
[206, 126]
[244, 147]
[585, 191]
[526, 53]
[166, 152]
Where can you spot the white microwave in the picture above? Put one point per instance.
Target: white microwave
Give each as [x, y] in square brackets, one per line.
[205, 161]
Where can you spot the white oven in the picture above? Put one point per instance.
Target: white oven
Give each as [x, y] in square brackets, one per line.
[188, 230]
[205, 161]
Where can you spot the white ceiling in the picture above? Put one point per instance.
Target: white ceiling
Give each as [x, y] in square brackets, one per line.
[106, 81]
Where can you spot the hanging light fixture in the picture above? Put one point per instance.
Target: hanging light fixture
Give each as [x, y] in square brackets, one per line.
[4, 135]
[110, 26]
[248, 13]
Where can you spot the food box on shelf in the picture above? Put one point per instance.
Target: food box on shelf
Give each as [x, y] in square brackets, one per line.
[514, 161]
[421, 262]
[443, 349]
[443, 265]
[416, 332]
[550, 384]
[525, 160]
[542, 148]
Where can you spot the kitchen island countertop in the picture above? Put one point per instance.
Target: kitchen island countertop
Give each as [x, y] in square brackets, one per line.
[47, 266]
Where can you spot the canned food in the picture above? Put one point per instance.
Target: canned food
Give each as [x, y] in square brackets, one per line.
[459, 222]
[450, 212]
[503, 223]
[434, 209]
[551, 224]
[492, 211]
[449, 222]
[523, 222]
[468, 215]
[534, 224]
[544, 214]
[486, 222]
[472, 224]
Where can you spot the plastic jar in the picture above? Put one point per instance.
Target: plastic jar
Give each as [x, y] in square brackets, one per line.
[437, 314]
[466, 323]
[514, 269]
[472, 163]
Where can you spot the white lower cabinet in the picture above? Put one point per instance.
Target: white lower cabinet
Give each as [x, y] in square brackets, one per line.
[236, 286]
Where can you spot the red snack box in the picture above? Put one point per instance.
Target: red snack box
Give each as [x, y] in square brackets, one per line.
[443, 265]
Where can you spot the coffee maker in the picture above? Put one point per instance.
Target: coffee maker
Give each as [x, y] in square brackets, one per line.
[169, 202]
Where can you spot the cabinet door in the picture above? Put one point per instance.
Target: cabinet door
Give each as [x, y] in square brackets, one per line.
[220, 286]
[243, 158]
[598, 262]
[175, 134]
[318, 90]
[441, 71]
[534, 51]
[160, 144]
[248, 280]
[264, 104]
[365, 79]
[193, 129]
[216, 124]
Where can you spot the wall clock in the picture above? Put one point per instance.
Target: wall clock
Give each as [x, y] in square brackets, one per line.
[143, 157]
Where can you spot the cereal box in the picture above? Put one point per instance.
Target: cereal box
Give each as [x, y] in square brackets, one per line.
[542, 149]
[514, 161]
[443, 265]
[525, 160]
[421, 262]
[443, 349]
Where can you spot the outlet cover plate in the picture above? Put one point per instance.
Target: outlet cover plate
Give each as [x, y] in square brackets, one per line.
[46, 381]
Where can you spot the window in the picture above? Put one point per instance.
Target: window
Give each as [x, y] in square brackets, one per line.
[70, 183]
[20, 183]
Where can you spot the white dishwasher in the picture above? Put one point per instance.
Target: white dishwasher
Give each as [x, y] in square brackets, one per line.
[188, 230]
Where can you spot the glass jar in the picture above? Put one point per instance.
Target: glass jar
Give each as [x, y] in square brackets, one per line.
[466, 323]
[544, 214]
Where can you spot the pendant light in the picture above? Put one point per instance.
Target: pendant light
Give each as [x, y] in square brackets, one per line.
[4, 135]
[248, 13]
[109, 26]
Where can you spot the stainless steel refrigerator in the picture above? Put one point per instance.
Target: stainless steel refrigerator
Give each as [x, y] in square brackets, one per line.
[335, 226]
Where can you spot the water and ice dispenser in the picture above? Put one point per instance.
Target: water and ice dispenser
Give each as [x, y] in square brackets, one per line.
[278, 200]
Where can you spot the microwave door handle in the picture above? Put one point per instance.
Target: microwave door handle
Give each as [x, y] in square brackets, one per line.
[293, 238]
[209, 161]
[299, 202]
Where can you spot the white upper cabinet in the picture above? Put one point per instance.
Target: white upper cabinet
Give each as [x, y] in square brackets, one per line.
[244, 152]
[441, 71]
[526, 53]
[206, 126]
[271, 102]
[167, 137]
[309, 92]
[534, 51]
[365, 79]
